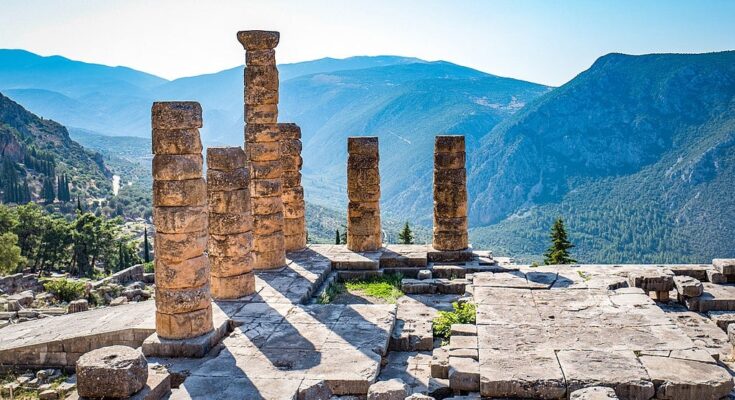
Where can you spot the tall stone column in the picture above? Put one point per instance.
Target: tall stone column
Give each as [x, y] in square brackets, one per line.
[230, 223]
[363, 192]
[450, 194]
[262, 147]
[183, 303]
[293, 193]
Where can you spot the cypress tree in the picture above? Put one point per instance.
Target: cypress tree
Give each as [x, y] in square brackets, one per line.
[405, 236]
[558, 252]
[146, 249]
[336, 239]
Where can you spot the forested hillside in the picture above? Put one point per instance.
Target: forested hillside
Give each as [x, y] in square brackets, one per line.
[40, 162]
[637, 154]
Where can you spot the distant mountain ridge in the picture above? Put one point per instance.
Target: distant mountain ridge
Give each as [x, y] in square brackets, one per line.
[635, 152]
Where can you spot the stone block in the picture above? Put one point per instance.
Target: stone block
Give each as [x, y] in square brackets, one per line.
[260, 57]
[723, 319]
[462, 342]
[364, 243]
[716, 276]
[652, 280]
[268, 242]
[261, 84]
[261, 114]
[77, 306]
[686, 379]
[507, 373]
[453, 177]
[223, 181]
[180, 301]
[295, 242]
[184, 325]
[415, 286]
[594, 393]
[687, 286]
[258, 40]
[266, 169]
[724, 265]
[450, 240]
[294, 226]
[440, 363]
[463, 330]
[293, 210]
[235, 245]
[189, 192]
[446, 160]
[392, 389]
[619, 370]
[178, 141]
[225, 158]
[113, 372]
[233, 287]
[176, 115]
[231, 266]
[268, 224]
[266, 188]
[695, 271]
[291, 148]
[270, 259]
[424, 274]
[449, 144]
[357, 162]
[367, 145]
[263, 151]
[179, 219]
[192, 272]
[230, 223]
[262, 133]
[464, 374]
[176, 167]
[178, 247]
[291, 179]
[235, 201]
[293, 195]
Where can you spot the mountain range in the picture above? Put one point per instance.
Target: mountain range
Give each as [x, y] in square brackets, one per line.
[636, 153]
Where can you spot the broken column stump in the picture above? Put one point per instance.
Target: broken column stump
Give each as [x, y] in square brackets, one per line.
[450, 200]
[183, 303]
[294, 224]
[230, 223]
[363, 191]
[263, 148]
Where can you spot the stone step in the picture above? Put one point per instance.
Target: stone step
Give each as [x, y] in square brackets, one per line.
[354, 275]
[714, 298]
[431, 286]
[412, 335]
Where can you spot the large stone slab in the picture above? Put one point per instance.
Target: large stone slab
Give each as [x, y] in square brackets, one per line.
[686, 379]
[619, 370]
[525, 374]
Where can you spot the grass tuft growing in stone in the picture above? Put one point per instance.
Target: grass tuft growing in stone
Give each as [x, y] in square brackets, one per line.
[463, 313]
[386, 287]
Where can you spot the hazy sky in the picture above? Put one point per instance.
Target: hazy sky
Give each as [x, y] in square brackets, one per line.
[541, 41]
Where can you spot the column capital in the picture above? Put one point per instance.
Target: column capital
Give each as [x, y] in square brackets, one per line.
[258, 40]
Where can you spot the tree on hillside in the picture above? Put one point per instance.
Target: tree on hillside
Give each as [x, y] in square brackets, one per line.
[558, 252]
[48, 193]
[10, 257]
[405, 236]
[146, 247]
[336, 237]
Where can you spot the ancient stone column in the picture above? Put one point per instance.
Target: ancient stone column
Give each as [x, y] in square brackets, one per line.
[450, 194]
[363, 192]
[183, 303]
[230, 223]
[294, 227]
[262, 147]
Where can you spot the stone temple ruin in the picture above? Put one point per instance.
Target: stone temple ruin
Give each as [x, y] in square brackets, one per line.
[236, 312]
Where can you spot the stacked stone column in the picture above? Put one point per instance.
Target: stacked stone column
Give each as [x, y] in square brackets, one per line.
[262, 147]
[363, 192]
[294, 227]
[230, 223]
[450, 194]
[183, 302]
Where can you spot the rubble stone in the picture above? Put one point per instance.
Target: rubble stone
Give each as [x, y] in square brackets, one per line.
[686, 379]
[594, 393]
[392, 389]
[725, 266]
[687, 286]
[115, 372]
[78, 306]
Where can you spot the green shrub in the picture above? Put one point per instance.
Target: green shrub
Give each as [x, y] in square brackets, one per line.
[330, 293]
[464, 313]
[65, 289]
[148, 267]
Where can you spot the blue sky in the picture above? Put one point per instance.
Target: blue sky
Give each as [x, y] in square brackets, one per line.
[541, 41]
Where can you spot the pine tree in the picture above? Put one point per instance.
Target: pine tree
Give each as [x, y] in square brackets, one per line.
[405, 236]
[558, 252]
[146, 249]
[120, 257]
[79, 205]
[336, 238]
